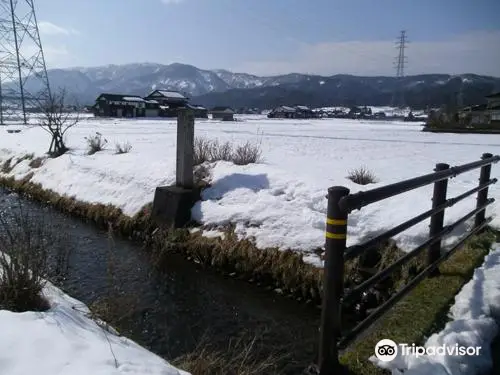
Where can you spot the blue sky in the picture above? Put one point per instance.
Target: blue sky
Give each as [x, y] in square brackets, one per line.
[275, 36]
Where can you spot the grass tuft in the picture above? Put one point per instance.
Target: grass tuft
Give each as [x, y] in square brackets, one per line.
[362, 176]
[206, 150]
[95, 143]
[6, 166]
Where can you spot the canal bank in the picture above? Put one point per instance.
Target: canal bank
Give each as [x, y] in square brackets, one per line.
[170, 311]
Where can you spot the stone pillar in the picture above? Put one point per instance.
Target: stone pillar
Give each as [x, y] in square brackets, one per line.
[172, 204]
[185, 149]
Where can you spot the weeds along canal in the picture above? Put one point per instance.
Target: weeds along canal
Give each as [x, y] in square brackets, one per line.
[181, 307]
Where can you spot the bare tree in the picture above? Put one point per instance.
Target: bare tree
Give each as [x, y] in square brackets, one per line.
[56, 120]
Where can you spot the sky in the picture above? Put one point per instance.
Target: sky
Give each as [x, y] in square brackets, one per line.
[269, 37]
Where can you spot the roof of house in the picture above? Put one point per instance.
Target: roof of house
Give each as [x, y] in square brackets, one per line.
[196, 106]
[133, 99]
[222, 109]
[168, 94]
[303, 108]
[474, 108]
[284, 108]
[495, 95]
[120, 97]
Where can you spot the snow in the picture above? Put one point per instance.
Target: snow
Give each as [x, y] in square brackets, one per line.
[133, 99]
[172, 94]
[65, 341]
[280, 202]
[474, 321]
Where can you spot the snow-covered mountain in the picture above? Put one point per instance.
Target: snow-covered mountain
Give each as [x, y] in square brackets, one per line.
[224, 87]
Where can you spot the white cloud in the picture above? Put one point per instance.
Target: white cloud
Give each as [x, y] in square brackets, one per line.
[468, 53]
[50, 28]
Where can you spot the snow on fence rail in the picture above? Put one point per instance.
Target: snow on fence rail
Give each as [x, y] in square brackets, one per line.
[341, 204]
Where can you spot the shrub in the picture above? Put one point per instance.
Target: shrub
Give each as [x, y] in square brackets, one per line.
[95, 143]
[247, 154]
[30, 252]
[123, 148]
[362, 176]
[23, 257]
[206, 150]
[202, 150]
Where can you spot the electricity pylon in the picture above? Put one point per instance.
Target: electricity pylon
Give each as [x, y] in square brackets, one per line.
[24, 83]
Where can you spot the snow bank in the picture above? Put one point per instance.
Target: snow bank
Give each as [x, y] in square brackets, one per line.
[280, 203]
[64, 341]
[474, 322]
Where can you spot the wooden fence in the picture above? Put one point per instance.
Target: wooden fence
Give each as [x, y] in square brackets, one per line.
[341, 203]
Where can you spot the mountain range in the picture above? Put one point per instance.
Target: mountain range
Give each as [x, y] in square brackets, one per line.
[221, 87]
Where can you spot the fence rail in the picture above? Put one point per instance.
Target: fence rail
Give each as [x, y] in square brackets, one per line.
[341, 204]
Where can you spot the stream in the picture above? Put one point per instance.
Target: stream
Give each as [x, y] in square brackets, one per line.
[170, 311]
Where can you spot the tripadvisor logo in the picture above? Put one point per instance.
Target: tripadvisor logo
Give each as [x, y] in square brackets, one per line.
[386, 350]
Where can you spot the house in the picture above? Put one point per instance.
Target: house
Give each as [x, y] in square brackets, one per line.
[282, 111]
[474, 115]
[222, 113]
[302, 111]
[169, 101]
[493, 108]
[360, 113]
[485, 115]
[199, 111]
[118, 105]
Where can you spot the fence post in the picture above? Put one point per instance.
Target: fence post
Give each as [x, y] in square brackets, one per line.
[437, 220]
[333, 282]
[482, 196]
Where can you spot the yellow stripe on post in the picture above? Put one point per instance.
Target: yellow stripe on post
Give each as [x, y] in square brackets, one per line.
[336, 236]
[336, 222]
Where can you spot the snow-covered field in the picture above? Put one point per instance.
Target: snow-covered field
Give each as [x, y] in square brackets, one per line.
[474, 320]
[64, 340]
[280, 202]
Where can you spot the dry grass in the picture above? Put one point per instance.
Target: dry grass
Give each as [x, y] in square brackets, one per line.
[362, 176]
[95, 143]
[24, 261]
[206, 150]
[37, 162]
[123, 148]
[242, 356]
[6, 166]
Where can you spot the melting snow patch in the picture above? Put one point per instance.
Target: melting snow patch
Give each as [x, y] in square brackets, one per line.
[64, 340]
[474, 323]
[213, 234]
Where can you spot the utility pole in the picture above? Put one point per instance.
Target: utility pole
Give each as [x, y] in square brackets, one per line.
[401, 61]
